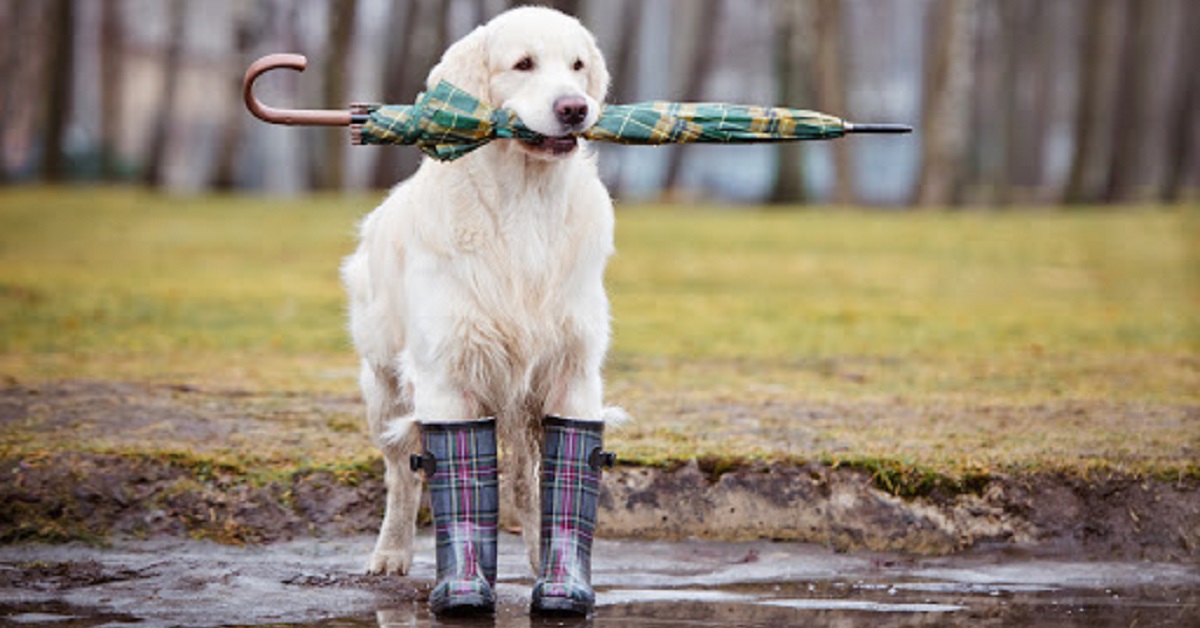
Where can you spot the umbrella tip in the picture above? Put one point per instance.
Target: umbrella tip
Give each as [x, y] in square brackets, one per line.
[858, 127]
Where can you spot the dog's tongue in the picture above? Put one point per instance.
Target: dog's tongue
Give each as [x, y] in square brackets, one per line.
[556, 145]
[560, 144]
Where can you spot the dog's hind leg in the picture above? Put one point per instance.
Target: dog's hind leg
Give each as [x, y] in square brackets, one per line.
[394, 548]
[396, 435]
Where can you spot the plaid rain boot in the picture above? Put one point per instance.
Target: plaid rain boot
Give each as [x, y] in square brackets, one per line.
[459, 461]
[571, 462]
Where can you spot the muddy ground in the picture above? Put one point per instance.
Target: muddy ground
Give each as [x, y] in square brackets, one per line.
[155, 461]
[319, 582]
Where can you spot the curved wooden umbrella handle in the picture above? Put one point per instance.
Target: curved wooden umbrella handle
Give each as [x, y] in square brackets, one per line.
[309, 117]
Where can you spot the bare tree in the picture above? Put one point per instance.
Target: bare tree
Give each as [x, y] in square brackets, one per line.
[1029, 88]
[110, 89]
[1088, 109]
[1123, 170]
[831, 90]
[696, 66]
[160, 135]
[16, 19]
[793, 59]
[1181, 123]
[1004, 108]
[624, 64]
[331, 166]
[60, 75]
[570, 7]
[250, 24]
[947, 103]
[422, 27]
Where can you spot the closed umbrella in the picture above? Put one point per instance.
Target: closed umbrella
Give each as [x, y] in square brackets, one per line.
[447, 122]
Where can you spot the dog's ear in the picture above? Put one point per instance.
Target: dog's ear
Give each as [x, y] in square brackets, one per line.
[597, 72]
[465, 65]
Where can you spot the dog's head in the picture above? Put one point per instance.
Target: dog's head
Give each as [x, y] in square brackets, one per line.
[537, 62]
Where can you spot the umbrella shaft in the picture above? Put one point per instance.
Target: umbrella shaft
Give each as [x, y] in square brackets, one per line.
[856, 127]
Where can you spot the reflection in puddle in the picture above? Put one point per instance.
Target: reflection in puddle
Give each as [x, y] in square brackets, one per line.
[840, 604]
[677, 596]
[862, 605]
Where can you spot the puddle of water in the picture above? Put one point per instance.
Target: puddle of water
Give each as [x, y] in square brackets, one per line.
[840, 604]
[318, 584]
[660, 609]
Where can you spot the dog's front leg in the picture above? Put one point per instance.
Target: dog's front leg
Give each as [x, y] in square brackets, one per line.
[394, 549]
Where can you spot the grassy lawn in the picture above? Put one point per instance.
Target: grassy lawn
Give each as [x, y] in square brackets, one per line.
[949, 341]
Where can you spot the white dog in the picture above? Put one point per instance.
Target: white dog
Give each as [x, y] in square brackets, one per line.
[477, 288]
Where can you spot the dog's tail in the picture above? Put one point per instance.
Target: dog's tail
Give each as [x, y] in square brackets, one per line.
[615, 416]
[397, 430]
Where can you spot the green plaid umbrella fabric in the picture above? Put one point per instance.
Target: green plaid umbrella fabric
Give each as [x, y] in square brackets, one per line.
[447, 123]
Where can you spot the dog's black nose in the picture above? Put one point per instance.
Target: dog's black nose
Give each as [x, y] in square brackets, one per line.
[571, 110]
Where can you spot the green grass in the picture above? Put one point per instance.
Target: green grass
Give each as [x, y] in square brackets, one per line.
[224, 290]
[957, 341]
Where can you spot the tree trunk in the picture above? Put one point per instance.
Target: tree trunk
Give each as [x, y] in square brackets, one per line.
[625, 63]
[161, 133]
[14, 19]
[422, 27]
[831, 91]
[1086, 158]
[111, 85]
[792, 63]
[1031, 87]
[60, 72]
[624, 69]
[331, 164]
[1181, 141]
[1123, 171]
[1013, 38]
[248, 29]
[947, 103]
[699, 62]
[570, 7]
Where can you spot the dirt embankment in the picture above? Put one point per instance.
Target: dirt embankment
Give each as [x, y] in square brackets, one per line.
[58, 494]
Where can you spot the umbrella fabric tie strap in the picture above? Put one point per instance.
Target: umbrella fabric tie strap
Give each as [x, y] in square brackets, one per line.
[447, 122]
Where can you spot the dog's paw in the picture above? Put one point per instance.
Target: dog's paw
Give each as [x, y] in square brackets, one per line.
[390, 562]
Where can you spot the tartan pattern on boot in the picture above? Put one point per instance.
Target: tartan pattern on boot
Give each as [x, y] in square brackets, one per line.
[570, 487]
[464, 497]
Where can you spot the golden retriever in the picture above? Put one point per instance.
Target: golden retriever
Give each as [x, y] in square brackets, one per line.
[477, 287]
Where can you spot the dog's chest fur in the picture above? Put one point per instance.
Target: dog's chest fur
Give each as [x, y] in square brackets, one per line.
[518, 252]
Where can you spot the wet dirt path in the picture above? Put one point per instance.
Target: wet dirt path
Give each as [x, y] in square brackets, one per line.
[172, 582]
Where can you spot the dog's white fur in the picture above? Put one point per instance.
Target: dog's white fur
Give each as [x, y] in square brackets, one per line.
[477, 287]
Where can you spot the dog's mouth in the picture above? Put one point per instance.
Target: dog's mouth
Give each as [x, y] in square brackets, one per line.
[560, 145]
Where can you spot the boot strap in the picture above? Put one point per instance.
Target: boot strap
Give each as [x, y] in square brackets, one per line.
[423, 462]
[426, 462]
[602, 459]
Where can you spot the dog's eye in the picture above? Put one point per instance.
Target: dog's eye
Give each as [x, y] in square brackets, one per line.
[524, 65]
[578, 65]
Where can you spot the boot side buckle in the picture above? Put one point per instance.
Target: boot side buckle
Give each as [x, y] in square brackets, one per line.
[602, 459]
[423, 462]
